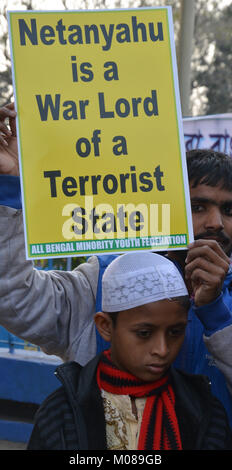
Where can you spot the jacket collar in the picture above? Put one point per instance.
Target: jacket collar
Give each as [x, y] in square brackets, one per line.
[85, 399]
[192, 407]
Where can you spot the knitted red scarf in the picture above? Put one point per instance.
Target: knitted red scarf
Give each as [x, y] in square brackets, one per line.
[159, 427]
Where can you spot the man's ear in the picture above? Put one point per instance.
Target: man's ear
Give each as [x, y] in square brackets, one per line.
[104, 325]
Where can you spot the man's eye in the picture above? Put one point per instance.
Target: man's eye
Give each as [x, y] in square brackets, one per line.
[197, 208]
[143, 333]
[228, 211]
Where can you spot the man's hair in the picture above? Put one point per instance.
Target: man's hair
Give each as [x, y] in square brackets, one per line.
[205, 166]
[184, 301]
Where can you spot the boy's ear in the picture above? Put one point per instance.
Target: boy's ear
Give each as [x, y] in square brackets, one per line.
[104, 325]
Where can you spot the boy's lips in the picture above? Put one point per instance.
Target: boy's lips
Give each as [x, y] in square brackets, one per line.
[157, 367]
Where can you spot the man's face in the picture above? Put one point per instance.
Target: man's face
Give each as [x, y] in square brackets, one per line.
[212, 214]
[146, 340]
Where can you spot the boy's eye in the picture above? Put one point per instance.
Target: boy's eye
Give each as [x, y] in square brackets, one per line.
[178, 331]
[144, 334]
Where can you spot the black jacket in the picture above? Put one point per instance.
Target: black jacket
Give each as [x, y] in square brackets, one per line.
[72, 417]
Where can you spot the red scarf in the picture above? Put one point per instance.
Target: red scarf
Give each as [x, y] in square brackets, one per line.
[159, 427]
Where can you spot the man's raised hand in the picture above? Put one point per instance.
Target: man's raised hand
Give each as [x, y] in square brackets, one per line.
[206, 268]
[9, 164]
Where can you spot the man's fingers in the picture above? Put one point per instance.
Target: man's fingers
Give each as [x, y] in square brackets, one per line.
[218, 271]
[4, 129]
[202, 276]
[4, 134]
[11, 106]
[12, 123]
[206, 268]
[210, 256]
[210, 249]
[3, 140]
[205, 287]
[7, 111]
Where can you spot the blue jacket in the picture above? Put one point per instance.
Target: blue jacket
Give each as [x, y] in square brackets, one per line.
[194, 356]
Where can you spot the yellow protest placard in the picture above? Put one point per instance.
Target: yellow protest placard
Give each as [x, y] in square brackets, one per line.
[100, 135]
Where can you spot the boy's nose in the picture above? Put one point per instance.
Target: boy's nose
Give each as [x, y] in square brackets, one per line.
[160, 346]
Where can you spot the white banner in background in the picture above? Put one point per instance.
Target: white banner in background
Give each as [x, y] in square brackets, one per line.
[213, 132]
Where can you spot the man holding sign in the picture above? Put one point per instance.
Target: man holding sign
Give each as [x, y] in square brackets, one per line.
[102, 91]
[55, 309]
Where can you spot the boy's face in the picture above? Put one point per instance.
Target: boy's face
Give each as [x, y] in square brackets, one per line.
[146, 340]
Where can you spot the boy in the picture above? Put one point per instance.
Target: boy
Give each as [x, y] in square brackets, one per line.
[130, 397]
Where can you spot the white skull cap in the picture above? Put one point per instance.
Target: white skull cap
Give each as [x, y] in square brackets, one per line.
[138, 278]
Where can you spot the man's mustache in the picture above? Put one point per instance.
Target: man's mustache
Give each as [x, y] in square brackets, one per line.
[220, 236]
